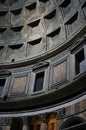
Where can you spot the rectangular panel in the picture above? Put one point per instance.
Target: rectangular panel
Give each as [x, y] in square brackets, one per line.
[19, 84]
[59, 72]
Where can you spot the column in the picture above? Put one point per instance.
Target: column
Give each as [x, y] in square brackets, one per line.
[6, 123]
[25, 123]
[44, 122]
[59, 118]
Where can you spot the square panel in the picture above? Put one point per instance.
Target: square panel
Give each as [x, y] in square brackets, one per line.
[59, 72]
[19, 84]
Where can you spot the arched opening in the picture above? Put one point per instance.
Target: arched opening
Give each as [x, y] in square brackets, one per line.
[17, 124]
[74, 123]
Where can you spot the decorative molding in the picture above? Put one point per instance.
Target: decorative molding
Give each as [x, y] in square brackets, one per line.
[4, 72]
[60, 113]
[40, 65]
[44, 117]
[80, 42]
[5, 121]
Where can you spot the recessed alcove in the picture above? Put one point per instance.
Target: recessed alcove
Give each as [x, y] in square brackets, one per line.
[44, 1]
[72, 23]
[44, 5]
[16, 52]
[35, 47]
[17, 11]
[1, 47]
[17, 46]
[17, 29]
[30, 10]
[17, 33]
[73, 19]
[34, 23]
[54, 33]
[66, 7]
[2, 30]
[35, 28]
[65, 3]
[3, 13]
[32, 6]
[53, 37]
[17, 17]
[50, 15]
[50, 19]
[35, 42]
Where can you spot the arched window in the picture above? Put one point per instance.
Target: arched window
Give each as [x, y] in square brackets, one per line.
[74, 123]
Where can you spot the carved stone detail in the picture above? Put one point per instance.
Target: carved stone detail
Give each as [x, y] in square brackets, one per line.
[44, 118]
[60, 113]
[5, 121]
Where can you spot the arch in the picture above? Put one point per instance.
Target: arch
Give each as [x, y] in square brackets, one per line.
[73, 121]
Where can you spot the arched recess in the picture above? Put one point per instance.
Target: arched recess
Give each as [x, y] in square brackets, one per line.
[17, 124]
[74, 123]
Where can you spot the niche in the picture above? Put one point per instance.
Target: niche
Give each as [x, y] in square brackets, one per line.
[65, 7]
[35, 46]
[4, 18]
[72, 23]
[53, 37]
[30, 10]
[16, 17]
[16, 52]
[50, 19]
[16, 32]
[35, 28]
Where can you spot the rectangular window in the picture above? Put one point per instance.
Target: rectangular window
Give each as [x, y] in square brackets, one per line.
[2, 83]
[79, 62]
[39, 80]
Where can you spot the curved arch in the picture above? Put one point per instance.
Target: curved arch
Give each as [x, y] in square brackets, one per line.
[71, 122]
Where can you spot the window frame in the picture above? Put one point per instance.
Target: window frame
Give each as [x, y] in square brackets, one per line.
[2, 95]
[34, 78]
[78, 49]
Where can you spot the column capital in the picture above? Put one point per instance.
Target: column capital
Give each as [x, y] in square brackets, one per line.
[5, 121]
[44, 117]
[60, 113]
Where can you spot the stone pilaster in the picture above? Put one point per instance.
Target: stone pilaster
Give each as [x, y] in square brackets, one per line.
[25, 123]
[59, 117]
[6, 122]
[44, 121]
